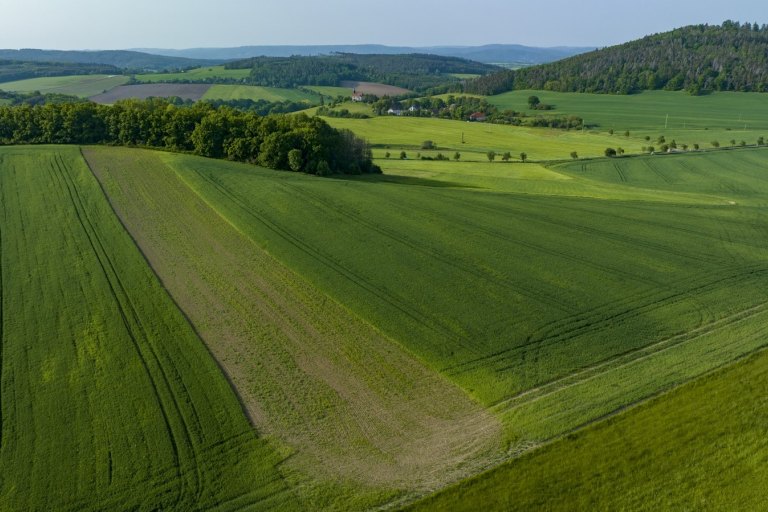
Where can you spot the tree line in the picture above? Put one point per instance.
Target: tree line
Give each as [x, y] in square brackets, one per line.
[414, 71]
[698, 59]
[297, 143]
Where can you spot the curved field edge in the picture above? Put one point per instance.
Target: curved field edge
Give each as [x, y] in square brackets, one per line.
[702, 446]
[366, 422]
[109, 398]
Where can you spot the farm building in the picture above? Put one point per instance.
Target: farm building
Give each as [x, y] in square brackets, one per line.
[478, 117]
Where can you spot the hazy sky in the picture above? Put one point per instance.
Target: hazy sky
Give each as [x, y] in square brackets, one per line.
[108, 24]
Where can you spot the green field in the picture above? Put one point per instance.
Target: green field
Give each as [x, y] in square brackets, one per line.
[109, 398]
[720, 116]
[197, 74]
[331, 92]
[255, 93]
[83, 86]
[283, 342]
[701, 447]
[394, 133]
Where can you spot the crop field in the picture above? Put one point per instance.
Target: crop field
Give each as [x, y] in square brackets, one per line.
[721, 116]
[204, 73]
[143, 91]
[367, 422]
[108, 398]
[328, 91]
[253, 92]
[701, 447]
[374, 88]
[83, 86]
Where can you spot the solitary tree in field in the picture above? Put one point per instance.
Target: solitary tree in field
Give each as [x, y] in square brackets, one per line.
[733, 142]
[506, 156]
[523, 157]
[387, 155]
[491, 156]
[610, 152]
[661, 140]
[620, 151]
[574, 155]
[715, 144]
[456, 156]
[760, 141]
[626, 133]
[696, 146]
[403, 156]
[651, 149]
[533, 102]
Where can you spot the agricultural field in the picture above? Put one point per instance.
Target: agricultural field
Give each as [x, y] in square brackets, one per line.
[700, 447]
[109, 398]
[83, 86]
[393, 133]
[720, 116]
[143, 91]
[255, 93]
[328, 91]
[281, 341]
[374, 88]
[203, 73]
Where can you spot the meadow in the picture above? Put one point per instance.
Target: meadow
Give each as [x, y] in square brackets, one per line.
[83, 86]
[109, 398]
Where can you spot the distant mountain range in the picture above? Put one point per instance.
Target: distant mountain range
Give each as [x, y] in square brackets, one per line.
[119, 58]
[490, 54]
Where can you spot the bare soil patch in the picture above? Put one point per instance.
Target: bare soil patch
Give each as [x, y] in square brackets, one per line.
[143, 91]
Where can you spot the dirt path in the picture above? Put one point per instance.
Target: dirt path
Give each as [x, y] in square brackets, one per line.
[351, 404]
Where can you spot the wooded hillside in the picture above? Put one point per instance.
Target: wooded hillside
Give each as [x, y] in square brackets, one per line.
[699, 59]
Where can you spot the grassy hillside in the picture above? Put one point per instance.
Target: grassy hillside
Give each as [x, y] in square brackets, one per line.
[109, 398]
[702, 447]
[718, 116]
[365, 421]
[83, 86]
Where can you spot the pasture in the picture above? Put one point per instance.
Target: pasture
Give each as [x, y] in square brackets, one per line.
[83, 86]
[109, 398]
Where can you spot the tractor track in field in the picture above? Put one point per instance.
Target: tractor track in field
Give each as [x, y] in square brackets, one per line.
[622, 176]
[626, 359]
[135, 330]
[359, 280]
[517, 287]
[655, 170]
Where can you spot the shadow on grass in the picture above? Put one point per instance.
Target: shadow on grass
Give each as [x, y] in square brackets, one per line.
[402, 180]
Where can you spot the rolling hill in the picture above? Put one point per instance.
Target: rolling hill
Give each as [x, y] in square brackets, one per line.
[697, 58]
[117, 58]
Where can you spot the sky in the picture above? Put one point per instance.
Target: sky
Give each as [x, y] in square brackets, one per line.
[109, 24]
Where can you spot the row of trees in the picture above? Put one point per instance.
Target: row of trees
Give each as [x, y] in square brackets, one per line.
[297, 143]
[700, 58]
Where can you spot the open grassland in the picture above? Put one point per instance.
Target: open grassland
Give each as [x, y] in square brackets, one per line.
[394, 133]
[721, 116]
[701, 447]
[255, 93]
[551, 310]
[204, 73]
[366, 422]
[83, 86]
[109, 400]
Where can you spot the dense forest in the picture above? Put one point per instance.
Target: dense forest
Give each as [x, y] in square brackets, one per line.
[698, 59]
[414, 71]
[297, 143]
[12, 70]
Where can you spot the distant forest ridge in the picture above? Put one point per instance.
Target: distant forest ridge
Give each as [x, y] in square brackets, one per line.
[123, 59]
[699, 59]
[489, 54]
[414, 71]
[12, 70]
